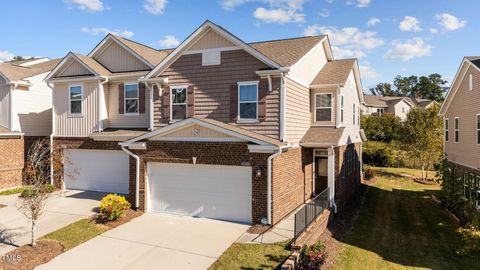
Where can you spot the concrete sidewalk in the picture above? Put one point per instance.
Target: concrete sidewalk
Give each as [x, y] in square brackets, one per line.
[61, 210]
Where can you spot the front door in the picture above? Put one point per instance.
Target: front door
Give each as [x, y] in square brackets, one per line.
[321, 174]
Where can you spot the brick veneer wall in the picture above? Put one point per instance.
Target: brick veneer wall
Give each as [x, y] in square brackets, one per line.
[11, 162]
[345, 187]
[291, 181]
[209, 153]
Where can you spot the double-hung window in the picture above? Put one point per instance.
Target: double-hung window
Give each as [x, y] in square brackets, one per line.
[248, 101]
[354, 113]
[478, 128]
[179, 103]
[75, 102]
[342, 98]
[323, 107]
[456, 127]
[131, 98]
[446, 130]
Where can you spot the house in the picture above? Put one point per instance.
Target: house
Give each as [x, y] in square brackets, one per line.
[25, 113]
[215, 128]
[399, 106]
[461, 113]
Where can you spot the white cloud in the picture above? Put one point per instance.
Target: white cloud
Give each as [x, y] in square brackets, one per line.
[169, 42]
[103, 30]
[324, 13]
[155, 7]
[450, 22]
[373, 21]
[363, 3]
[368, 72]
[347, 42]
[277, 11]
[6, 56]
[412, 48]
[88, 5]
[433, 30]
[410, 24]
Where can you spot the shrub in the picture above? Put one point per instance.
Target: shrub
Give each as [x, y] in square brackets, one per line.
[471, 237]
[29, 191]
[369, 173]
[113, 206]
[312, 257]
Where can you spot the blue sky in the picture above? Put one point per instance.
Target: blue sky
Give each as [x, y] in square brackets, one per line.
[407, 37]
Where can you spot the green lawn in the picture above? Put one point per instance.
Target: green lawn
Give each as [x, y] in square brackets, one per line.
[12, 191]
[76, 233]
[252, 256]
[399, 227]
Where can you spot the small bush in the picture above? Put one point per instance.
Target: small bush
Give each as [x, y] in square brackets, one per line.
[312, 257]
[471, 237]
[369, 173]
[28, 191]
[113, 206]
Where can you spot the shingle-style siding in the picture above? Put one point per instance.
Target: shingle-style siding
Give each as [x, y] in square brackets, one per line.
[4, 103]
[117, 120]
[291, 181]
[211, 40]
[67, 125]
[74, 69]
[465, 105]
[11, 162]
[297, 111]
[117, 59]
[346, 185]
[212, 88]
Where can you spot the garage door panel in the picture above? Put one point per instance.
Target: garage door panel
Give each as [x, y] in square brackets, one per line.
[220, 192]
[97, 170]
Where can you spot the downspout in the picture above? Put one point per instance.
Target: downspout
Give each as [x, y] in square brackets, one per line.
[269, 181]
[282, 107]
[137, 174]
[334, 205]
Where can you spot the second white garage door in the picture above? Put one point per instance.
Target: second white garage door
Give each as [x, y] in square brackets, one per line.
[218, 192]
[96, 170]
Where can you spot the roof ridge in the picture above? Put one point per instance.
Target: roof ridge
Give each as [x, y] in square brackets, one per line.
[138, 43]
[284, 39]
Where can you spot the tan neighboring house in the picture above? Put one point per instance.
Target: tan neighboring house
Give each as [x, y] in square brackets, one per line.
[25, 113]
[399, 106]
[461, 113]
[214, 128]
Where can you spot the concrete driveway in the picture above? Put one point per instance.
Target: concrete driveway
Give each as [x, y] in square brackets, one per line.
[153, 242]
[60, 211]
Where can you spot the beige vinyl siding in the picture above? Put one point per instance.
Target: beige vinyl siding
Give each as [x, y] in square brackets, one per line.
[465, 105]
[401, 109]
[117, 59]
[211, 40]
[297, 111]
[305, 70]
[74, 69]
[332, 91]
[212, 88]
[116, 120]
[4, 103]
[33, 108]
[67, 125]
[350, 95]
[199, 131]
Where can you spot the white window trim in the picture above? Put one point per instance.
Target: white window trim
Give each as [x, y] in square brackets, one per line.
[246, 120]
[342, 105]
[456, 138]
[470, 82]
[477, 128]
[70, 114]
[125, 99]
[315, 107]
[184, 86]
[446, 126]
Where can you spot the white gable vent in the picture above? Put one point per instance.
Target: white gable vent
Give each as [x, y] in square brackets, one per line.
[211, 58]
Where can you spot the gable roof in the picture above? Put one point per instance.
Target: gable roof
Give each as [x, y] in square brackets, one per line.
[475, 60]
[15, 72]
[153, 56]
[93, 66]
[375, 101]
[334, 72]
[322, 136]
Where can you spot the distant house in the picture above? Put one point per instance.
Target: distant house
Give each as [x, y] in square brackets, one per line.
[400, 106]
[461, 113]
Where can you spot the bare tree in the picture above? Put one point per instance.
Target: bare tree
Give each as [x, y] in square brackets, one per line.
[37, 175]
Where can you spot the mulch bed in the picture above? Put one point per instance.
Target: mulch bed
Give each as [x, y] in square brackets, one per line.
[27, 257]
[425, 182]
[258, 229]
[129, 215]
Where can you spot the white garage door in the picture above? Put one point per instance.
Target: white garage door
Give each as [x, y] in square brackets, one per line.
[97, 170]
[218, 192]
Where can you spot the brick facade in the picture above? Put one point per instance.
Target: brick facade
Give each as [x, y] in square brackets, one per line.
[347, 177]
[11, 161]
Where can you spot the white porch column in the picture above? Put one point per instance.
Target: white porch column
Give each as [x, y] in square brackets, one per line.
[331, 173]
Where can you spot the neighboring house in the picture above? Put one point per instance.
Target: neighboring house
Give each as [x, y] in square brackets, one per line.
[461, 112]
[25, 113]
[215, 128]
[399, 106]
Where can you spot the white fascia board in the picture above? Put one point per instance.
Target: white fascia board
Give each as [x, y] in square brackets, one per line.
[253, 148]
[64, 60]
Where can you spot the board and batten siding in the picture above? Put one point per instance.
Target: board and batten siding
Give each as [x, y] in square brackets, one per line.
[76, 126]
[465, 105]
[117, 59]
[212, 88]
[211, 40]
[117, 120]
[297, 111]
[74, 69]
[4, 103]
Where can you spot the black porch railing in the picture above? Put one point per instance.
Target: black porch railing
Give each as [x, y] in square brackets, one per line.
[309, 212]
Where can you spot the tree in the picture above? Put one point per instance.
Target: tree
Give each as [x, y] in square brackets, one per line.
[384, 127]
[383, 89]
[422, 137]
[431, 87]
[406, 86]
[37, 191]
